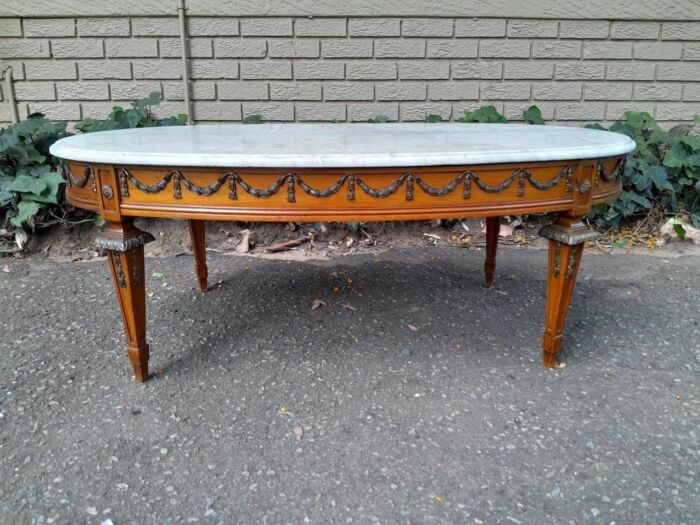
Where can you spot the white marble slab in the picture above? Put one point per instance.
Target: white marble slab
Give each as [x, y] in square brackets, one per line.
[340, 145]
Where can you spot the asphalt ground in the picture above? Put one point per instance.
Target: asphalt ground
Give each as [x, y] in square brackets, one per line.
[413, 395]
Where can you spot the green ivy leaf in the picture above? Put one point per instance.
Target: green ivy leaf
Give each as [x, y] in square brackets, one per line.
[432, 118]
[252, 119]
[86, 124]
[681, 130]
[379, 119]
[678, 228]
[611, 214]
[533, 115]
[659, 176]
[153, 99]
[485, 114]
[691, 141]
[26, 184]
[695, 218]
[692, 161]
[6, 195]
[32, 155]
[25, 211]
[50, 195]
[641, 120]
[641, 180]
[641, 200]
[133, 118]
[659, 136]
[675, 157]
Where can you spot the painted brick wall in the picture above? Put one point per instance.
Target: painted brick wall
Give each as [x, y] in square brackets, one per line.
[351, 69]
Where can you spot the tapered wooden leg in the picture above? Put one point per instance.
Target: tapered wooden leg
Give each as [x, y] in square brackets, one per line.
[198, 247]
[493, 227]
[124, 245]
[566, 241]
[563, 266]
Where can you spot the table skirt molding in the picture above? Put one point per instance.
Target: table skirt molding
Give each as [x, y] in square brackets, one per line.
[321, 194]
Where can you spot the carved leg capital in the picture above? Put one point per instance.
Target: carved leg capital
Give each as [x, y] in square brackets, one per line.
[122, 237]
[569, 230]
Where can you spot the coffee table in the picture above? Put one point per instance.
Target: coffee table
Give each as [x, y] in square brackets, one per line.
[340, 172]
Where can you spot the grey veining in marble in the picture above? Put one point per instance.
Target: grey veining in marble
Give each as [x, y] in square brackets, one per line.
[340, 145]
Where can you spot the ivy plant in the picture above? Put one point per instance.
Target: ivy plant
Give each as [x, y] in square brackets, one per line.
[490, 115]
[379, 119]
[533, 115]
[139, 116]
[663, 174]
[30, 177]
[252, 119]
[485, 114]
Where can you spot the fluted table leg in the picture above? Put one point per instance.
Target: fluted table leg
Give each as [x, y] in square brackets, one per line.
[566, 241]
[124, 244]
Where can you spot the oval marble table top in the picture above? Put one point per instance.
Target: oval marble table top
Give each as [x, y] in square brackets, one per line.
[340, 145]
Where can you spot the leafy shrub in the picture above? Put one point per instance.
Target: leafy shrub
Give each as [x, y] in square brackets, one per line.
[533, 115]
[662, 175]
[379, 119]
[139, 116]
[252, 119]
[485, 114]
[29, 176]
[490, 115]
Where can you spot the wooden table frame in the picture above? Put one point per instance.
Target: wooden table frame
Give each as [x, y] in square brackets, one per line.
[119, 193]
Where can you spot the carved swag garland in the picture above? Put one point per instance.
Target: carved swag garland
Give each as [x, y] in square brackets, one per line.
[351, 180]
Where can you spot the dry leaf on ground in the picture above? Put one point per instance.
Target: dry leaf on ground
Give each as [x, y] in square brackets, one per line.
[317, 304]
[287, 245]
[244, 245]
[505, 231]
